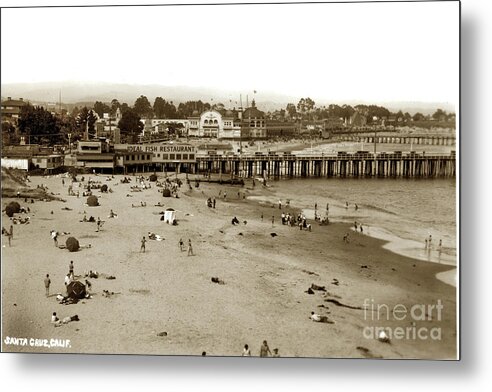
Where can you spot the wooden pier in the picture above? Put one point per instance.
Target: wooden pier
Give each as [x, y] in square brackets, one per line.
[341, 164]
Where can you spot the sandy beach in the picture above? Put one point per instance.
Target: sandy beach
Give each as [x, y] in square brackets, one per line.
[164, 290]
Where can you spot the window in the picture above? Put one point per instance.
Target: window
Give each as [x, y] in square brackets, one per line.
[127, 157]
[215, 122]
[192, 156]
[185, 156]
[172, 156]
[165, 156]
[178, 156]
[148, 157]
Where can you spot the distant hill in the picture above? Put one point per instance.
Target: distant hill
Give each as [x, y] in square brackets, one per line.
[74, 93]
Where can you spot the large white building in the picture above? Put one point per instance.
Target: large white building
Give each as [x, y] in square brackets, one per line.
[213, 125]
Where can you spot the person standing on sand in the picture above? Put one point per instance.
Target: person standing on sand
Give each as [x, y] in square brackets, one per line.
[54, 235]
[213, 202]
[11, 231]
[265, 350]
[142, 246]
[275, 353]
[70, 268]
[190, 248]
[9, 237]
[346, 205]
[273, 220]
[327, 207]
[98, 223]
[280, 204]
[246, 351]
[181, 244]
[262, 216]
[47, 282]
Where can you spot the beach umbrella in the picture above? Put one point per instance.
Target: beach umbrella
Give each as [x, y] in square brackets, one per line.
[76, 290]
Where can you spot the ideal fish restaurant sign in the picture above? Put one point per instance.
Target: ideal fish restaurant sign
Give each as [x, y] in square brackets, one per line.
[161, 148]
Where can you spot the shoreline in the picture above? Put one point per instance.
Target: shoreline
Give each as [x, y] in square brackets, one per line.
[265, 279]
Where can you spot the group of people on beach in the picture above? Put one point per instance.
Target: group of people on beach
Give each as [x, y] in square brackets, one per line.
[264, 351]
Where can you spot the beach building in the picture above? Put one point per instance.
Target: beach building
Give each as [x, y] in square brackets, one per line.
[11, 109]
[31, 156]
[169, 156]
[96, 154]
[253, 124]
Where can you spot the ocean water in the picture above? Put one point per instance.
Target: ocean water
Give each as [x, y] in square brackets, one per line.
[403, 212]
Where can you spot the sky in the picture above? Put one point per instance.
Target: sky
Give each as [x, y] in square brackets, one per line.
[369, 52]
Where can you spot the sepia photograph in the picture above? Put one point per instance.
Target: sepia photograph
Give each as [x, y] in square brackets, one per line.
[232, 180]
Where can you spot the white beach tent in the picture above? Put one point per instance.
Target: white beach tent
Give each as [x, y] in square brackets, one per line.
[169, 215]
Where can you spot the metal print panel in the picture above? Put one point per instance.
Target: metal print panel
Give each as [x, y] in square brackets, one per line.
[267, 180]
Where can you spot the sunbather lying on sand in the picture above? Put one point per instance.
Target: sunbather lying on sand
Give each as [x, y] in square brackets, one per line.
[156, 237]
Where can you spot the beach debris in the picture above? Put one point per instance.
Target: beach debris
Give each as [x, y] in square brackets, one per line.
[240, 234]
[162, 333]
[309, 291]
[111, 277]
[274, 234]
[335, 282]
[316, 287]
[245, 222]
[383, 337]
[364, 266]
[393, 269]
[217, 280]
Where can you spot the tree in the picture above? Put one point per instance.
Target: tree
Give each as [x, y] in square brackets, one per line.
[291, 109]
[39, 124]
[8, 133]
[115, 105]
[130, 125]
[438, 114]
[159, 107]
[418, 117]
[143, 108]
[124, 107]
[100, 108]
[86, 120]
